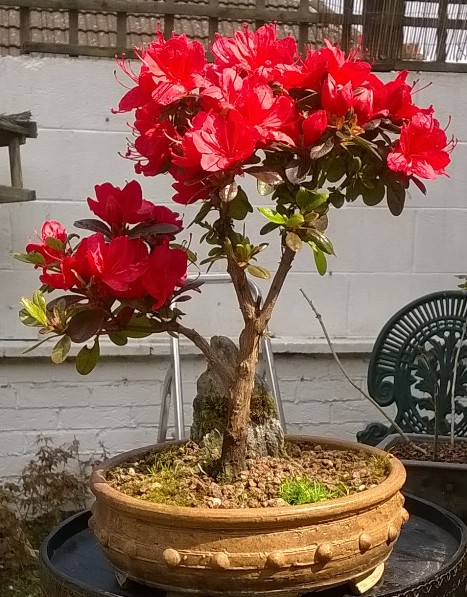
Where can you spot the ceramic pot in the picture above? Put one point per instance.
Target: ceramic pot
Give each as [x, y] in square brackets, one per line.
[284, 551]
[443, 483]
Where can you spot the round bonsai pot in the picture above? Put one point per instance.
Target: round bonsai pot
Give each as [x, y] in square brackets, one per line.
[283, 551]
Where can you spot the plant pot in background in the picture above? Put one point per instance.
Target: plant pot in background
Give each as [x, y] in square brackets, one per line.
[284, 550]
[443, 483]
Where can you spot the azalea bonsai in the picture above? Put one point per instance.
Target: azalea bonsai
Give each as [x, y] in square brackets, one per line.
[315, 131]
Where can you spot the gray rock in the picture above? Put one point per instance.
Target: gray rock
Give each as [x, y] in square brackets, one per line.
[265, 435]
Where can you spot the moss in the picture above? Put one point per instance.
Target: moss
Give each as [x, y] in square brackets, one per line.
[298, 491]
[379, 465]
[210, 411]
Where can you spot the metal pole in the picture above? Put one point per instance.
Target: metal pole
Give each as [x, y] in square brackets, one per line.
[177, 391]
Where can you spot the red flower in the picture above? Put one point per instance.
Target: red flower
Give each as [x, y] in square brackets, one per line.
[152, 148]
[224, 141]
[314, 127]
[104, 269]
[190, 186]
[50, 230]
[166, 270]
[251, 51]
[175, 67]
[337, 100]
[119, 207]
[422, 150]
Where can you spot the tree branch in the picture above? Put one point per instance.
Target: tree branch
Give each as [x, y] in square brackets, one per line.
[242, 289]
[276, 285]
[198, 340]
[204, 346]
[352, 383]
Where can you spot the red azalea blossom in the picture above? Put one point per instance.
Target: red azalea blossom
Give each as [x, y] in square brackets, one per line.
[224, 140]
[174, 65]
[337, 100]
[259, 51]
[50, 230]
[166, 270]
[422, 150]
[104, 269]
[119, 207]
[314, 127]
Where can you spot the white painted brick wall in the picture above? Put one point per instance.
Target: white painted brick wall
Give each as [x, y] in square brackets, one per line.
[120, 405]
[382, 263]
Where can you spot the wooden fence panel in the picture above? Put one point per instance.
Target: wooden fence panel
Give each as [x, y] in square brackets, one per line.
[393, 35]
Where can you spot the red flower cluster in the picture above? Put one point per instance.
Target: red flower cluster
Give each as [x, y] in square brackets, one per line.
[204, 122]
[114, 262]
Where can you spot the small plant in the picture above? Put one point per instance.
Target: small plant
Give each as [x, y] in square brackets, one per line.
[55, 482]
[303, 491]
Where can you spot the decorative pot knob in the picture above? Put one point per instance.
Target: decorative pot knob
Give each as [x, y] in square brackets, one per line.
[171, 557]
[220, 560]
[324, 553]
[130, 548]
[393, 532]
[276, 560]
[364, 542]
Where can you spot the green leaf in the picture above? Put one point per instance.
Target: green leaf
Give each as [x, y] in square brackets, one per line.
[335, 168]
[319, 151]
[138, 321]
[310, 200]
[54, 243]
[239, 207]
[258, 272]
[375, 195]
[32, 257]
[229, 192]
[201, 215]
[264, 188]
[269, 227]
[94, 226]
[321, 241]
[26, 319]
[35, 311]
[294, 221]
[85, 324]
[271, 215]
[355, 164]
[320, 259]
[147, 230]
[337, 198]
[61, 349]
[39, 300]
[118, 338]
[293, 241]
[396, 199]
[87, 358]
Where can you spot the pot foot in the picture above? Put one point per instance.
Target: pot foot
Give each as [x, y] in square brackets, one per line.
[123, 581]
[365, 582]
[174, 594]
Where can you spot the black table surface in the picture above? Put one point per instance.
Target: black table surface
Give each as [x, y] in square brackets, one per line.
[430, 545]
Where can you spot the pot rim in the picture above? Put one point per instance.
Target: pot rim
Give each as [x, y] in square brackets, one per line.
[190, 516]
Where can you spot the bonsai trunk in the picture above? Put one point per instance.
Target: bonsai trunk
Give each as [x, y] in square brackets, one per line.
[238, 414]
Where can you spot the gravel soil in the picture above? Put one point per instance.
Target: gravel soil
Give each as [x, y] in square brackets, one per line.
[179, 476]
[457, 454]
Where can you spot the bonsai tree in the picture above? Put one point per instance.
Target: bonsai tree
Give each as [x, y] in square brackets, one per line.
[315, 131]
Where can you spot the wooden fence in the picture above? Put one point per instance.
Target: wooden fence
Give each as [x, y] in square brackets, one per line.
[383, 25]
